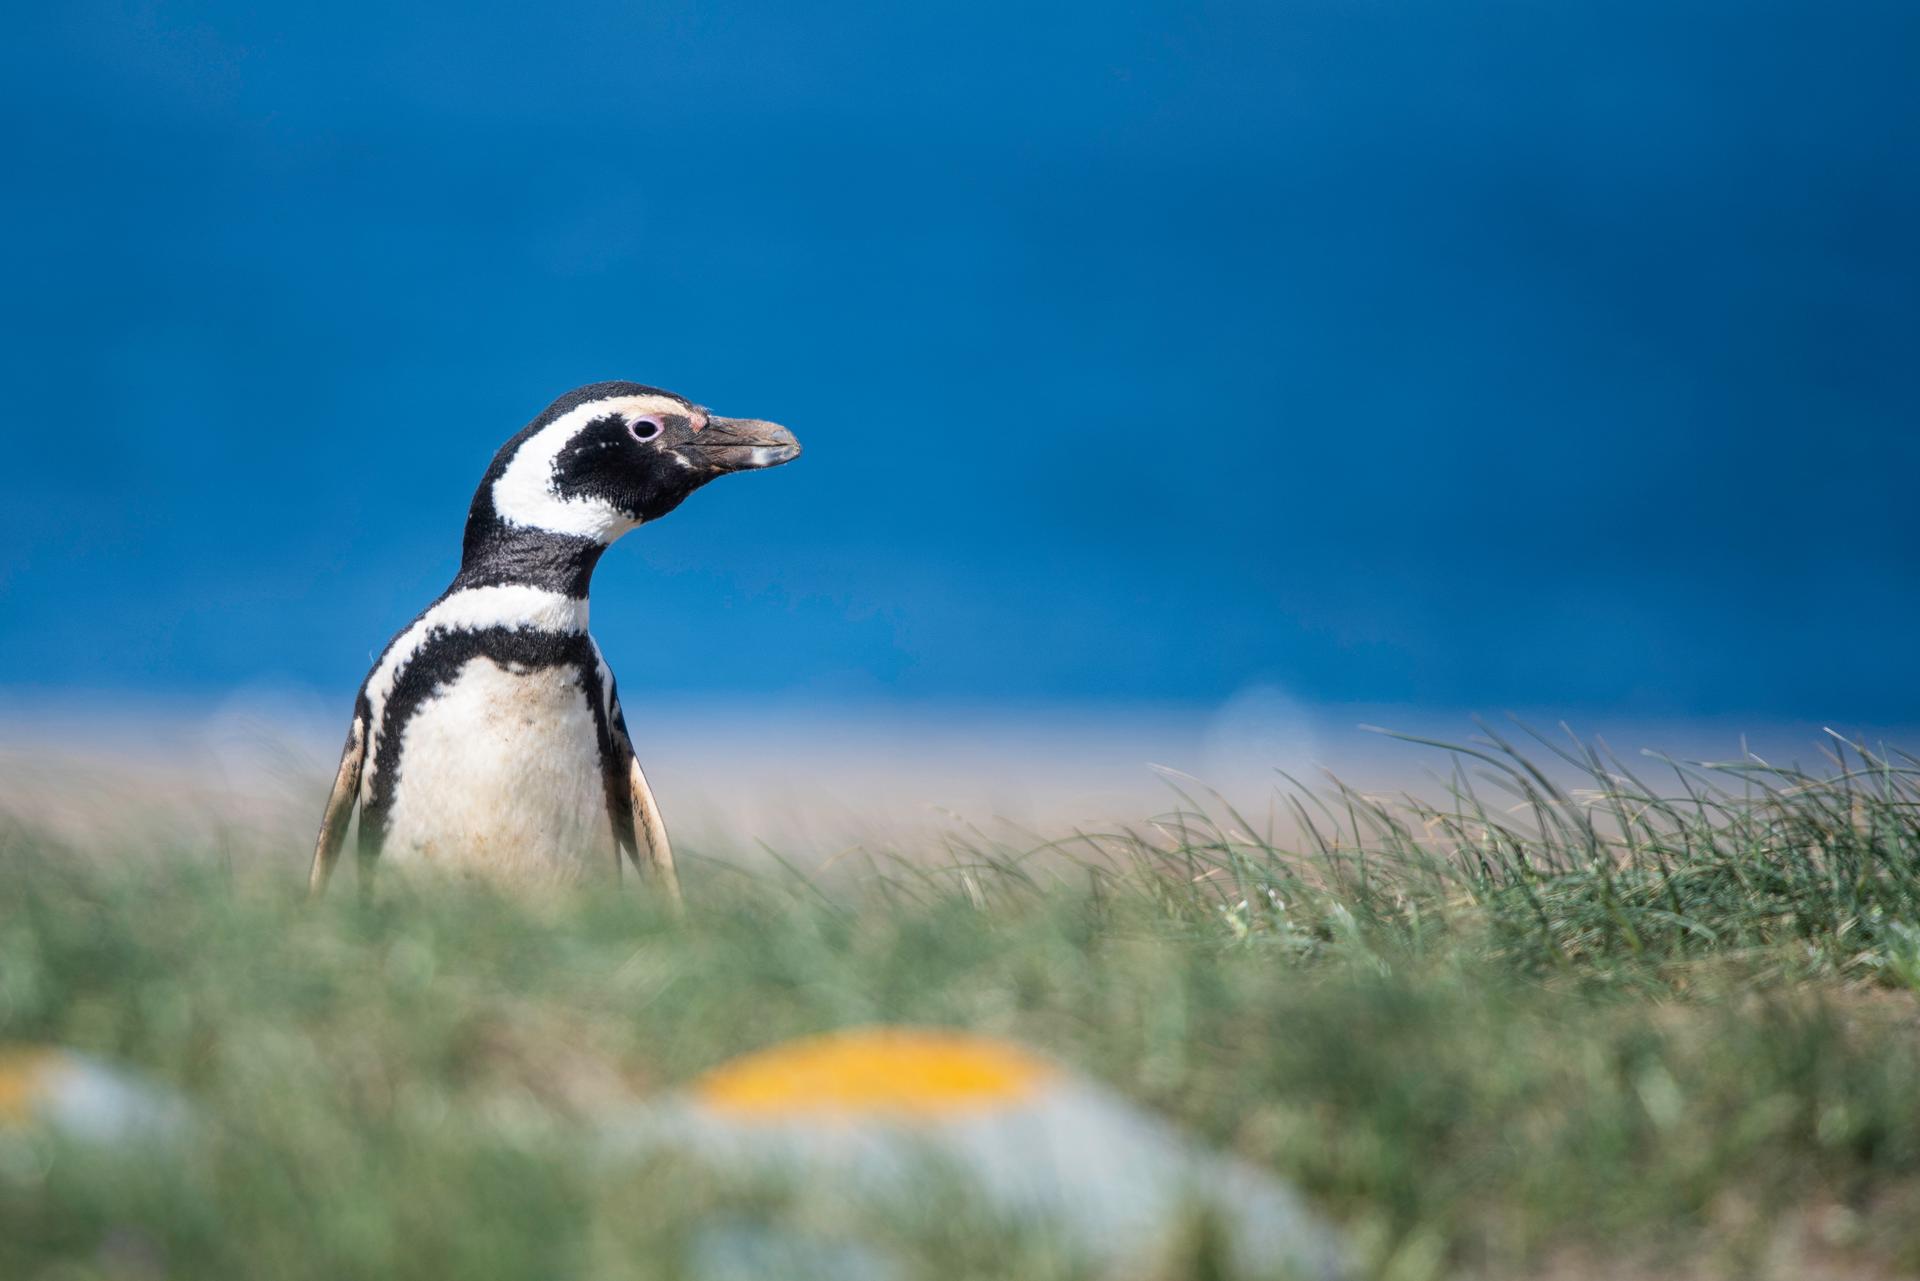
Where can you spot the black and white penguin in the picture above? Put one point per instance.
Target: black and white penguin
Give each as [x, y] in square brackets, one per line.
[488, 737]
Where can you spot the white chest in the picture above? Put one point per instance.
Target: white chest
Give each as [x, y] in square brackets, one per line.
[499, 773]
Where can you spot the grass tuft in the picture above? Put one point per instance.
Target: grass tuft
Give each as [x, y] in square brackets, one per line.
[1556, 1017]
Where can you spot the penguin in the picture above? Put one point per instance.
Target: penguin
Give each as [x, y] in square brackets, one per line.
[489, 738]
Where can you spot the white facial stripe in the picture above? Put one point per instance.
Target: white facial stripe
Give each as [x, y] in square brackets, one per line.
[524, 494]
[513, 605]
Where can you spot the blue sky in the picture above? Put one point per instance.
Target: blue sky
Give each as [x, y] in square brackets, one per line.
[1472, 355]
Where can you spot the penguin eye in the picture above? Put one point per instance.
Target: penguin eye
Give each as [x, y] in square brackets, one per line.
[644, 428]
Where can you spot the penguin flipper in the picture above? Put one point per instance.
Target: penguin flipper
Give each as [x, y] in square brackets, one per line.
[638, 826]
[333, 824]
[650, 832]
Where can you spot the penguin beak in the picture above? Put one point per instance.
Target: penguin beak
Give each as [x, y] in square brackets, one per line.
[740, 444]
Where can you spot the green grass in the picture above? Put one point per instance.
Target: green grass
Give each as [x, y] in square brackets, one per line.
[1629, 1028]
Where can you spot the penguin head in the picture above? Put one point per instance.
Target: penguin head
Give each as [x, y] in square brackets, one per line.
[610, 456]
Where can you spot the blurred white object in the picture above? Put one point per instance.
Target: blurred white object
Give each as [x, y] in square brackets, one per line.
[871, 1110]
[83, 1098]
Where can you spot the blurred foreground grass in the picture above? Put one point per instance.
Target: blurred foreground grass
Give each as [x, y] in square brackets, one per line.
[1624, 1029]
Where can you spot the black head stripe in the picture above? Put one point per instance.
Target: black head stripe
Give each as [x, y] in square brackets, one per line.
[603, 461]
[496, 552]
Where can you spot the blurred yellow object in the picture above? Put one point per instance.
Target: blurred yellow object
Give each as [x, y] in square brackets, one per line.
[81, 1097]
[901, 1070]
[24, 1073]
[900, 1118]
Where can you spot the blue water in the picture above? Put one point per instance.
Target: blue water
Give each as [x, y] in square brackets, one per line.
[1456, 355]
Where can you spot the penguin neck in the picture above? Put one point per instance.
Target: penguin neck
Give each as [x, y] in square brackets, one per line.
[496, 553]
